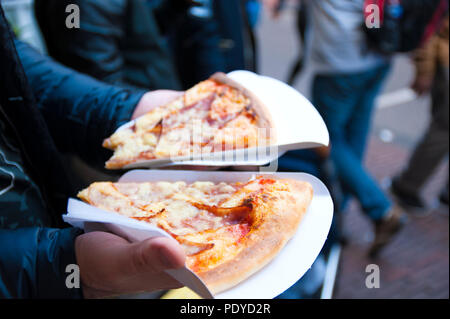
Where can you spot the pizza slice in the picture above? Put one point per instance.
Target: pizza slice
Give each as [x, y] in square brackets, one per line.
[215, 115]
[228, 230]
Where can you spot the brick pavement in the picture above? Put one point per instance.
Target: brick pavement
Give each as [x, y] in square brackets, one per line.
[416, 263]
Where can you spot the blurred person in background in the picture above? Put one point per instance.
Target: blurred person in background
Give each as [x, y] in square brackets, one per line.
[152, 44]
[348, 78]
[432, 74]
[212, 36]
[275, 7]
[47, 109]
[118, 42]
[191, 32]
[237, 20]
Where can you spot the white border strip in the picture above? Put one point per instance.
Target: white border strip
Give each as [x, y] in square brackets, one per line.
[331, 271]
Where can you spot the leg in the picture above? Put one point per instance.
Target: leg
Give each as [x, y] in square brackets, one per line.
[358, 182]
[335, 99]
[358, 127]
[434, 146]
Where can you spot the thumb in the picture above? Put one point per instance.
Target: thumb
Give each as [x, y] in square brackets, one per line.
[157, 254]
[154, 99]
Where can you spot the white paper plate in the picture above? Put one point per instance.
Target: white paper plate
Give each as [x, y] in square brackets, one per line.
[282, 272]
[298, 125]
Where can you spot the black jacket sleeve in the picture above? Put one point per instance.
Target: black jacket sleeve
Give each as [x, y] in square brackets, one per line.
[33, 263]
[79, 110]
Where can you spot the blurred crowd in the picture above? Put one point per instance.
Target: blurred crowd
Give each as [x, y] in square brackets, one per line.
[145, 46]
[155, 44]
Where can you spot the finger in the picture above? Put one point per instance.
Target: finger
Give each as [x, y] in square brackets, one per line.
[167, 96]
[136, 283]
[142, 266]
[157, 254]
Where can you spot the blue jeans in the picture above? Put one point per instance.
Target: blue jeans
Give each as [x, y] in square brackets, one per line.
[346, 102]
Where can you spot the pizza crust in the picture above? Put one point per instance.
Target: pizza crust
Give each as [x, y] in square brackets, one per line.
[264, 117]
[265, 242]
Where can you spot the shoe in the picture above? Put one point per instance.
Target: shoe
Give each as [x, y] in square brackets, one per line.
[386, 229]
[407, 199]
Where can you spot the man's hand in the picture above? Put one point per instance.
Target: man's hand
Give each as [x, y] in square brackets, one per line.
[154, 99]
[422, 84]
[110, 265]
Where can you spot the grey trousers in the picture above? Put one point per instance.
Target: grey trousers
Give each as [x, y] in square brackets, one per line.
[434, 146]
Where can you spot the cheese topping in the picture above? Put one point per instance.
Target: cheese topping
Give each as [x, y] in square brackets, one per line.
[210, 117]
[209, 220]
